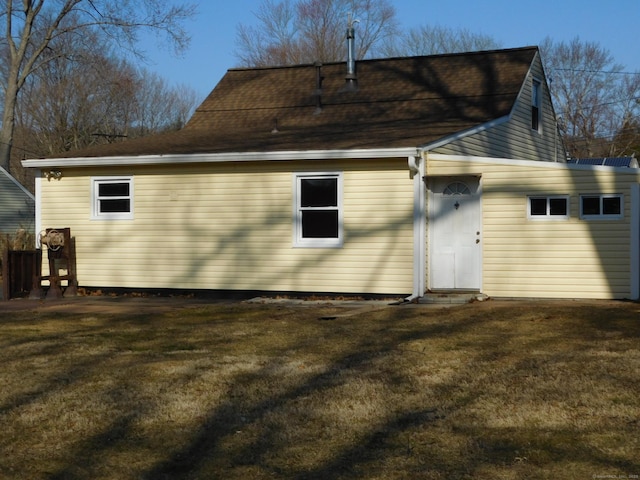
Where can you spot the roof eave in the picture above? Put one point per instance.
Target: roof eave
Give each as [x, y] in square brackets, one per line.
[465, 133]
[178, 159]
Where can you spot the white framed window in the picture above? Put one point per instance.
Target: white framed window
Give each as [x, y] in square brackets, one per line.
[551, 207]
[112, 198]
[536, 105]
[601, 207]
[318, 210]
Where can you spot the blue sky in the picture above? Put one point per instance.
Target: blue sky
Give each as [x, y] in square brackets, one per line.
[513, 23]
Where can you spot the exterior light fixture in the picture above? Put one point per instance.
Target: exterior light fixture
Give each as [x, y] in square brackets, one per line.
[57, 174]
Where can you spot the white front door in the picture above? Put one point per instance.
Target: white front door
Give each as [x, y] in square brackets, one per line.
[454, 223]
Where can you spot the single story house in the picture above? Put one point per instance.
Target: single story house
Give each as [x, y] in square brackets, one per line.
[17, 206]
[393, 176]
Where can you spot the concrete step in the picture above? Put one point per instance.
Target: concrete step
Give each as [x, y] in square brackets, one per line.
[452, 297]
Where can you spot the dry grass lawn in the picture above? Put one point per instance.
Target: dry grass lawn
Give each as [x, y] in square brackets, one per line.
[493, 390]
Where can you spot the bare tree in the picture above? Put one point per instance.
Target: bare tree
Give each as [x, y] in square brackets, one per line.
[273, 42]
[306, 31]
[433, 40]
[160, 107]
[594, 97]
[67, 102]
[29, 28]
[627, 141]
[87, 98]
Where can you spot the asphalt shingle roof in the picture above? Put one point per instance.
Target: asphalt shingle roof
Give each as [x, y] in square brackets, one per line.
[400, 102]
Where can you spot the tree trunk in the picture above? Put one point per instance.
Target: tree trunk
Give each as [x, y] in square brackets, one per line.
[8, 122]
[5, 153]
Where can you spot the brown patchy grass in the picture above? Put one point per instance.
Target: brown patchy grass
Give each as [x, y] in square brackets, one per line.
[494, 390]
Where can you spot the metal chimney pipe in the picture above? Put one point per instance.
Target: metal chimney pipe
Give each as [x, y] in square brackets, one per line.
[351, 78]
[351, 62]
[318, 91]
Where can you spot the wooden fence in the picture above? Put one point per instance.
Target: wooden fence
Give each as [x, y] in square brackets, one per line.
[20, 270]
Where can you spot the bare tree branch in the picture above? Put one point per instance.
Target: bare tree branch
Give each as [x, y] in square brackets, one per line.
[29, 30]
[306, 31]
[594, 98]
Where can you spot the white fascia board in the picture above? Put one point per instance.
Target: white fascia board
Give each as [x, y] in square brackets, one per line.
[220, 158]
[465, 133]
[532, 163]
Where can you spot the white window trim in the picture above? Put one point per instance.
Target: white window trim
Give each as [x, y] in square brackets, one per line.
[298, 240]
[548, 217]
[603, 216]
[95, 211]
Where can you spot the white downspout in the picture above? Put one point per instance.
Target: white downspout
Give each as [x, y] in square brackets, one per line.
[417, 171]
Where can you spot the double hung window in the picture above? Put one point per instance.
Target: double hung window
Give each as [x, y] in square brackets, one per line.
[318, 210]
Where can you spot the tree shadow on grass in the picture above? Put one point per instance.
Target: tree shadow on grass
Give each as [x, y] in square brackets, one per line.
[387, 442]
[273, 418]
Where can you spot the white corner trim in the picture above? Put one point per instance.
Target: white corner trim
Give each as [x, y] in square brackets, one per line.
[38, 209]
[220, 157]
[635, 243]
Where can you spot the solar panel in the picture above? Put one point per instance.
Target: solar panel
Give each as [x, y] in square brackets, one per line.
[591, 161]
[628, 162]
[619, 161]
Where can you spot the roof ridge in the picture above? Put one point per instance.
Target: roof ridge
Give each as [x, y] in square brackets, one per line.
[384, 59]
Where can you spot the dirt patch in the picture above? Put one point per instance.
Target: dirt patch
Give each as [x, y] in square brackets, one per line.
[139, 303]
[105, 304]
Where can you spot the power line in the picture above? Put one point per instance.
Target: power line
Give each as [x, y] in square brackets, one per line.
[23, 150]
[613, 72]
[610, 134]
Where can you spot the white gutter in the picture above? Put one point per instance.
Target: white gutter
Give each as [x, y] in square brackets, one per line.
[219, 158]
[417, 172]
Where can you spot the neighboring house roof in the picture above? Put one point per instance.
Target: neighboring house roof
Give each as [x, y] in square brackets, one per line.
[17, 205]
[400, 102]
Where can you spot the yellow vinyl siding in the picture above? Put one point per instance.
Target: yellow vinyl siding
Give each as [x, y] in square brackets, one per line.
[230, 226]
[571, 258]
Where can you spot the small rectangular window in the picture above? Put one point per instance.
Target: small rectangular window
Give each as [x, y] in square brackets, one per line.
[535, 105]
[601, 207]
[548, 207]
[112, 198]
[611, 206]
[318, 213]
[558, 206]
[538, 206]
